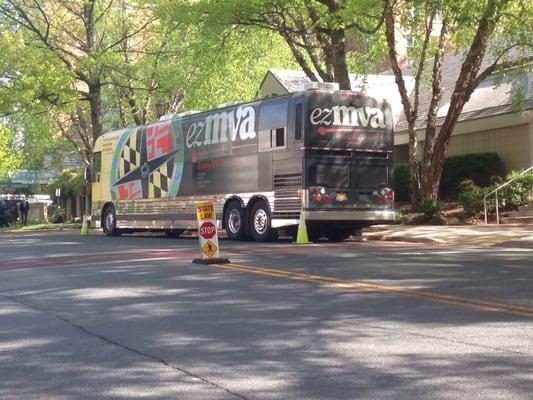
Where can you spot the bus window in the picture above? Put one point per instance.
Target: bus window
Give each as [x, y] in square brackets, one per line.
[97, 166]
[373, 175]
[277, 137]
[298, 122]
[332, 175]
[272, 125]
[372, 172]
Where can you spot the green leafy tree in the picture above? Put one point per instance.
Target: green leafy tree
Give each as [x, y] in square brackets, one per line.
[72, 71]
[69, 47]
[10, 155]
[71, 182]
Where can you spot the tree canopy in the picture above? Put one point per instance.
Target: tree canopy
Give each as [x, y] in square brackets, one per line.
[9, 153]
[75, 70]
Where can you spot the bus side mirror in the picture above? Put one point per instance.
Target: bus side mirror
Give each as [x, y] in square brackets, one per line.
[87, 174]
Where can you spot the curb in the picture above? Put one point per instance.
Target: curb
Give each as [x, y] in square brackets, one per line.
[392, 238]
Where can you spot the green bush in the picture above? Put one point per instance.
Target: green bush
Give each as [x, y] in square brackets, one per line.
[466, 185]
[401, 182]
[509, 197]
[518, 192]
[429, 207]
[478, 167]
[472, 200]
[482, 169]
[399, 216]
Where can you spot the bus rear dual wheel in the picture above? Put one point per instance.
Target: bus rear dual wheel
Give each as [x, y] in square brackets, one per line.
[259, 225]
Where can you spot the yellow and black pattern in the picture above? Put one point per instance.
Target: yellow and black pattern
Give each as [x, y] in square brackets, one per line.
[160, 179]
[130, 158]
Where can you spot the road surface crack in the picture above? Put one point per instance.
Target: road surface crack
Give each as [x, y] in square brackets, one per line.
[123, 346]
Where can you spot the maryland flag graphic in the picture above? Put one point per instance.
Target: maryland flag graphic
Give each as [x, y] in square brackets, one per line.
[145, 161]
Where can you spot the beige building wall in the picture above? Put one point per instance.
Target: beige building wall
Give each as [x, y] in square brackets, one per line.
[271, 87]
[511, 143]
[508, 135]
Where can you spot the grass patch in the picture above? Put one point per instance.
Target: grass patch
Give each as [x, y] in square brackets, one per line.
[39, 227]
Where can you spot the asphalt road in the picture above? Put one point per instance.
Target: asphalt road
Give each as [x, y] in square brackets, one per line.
[131, 317]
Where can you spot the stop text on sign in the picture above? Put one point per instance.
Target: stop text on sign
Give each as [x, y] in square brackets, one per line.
[207, 230]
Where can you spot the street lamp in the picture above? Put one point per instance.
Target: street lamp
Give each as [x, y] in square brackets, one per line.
[160, 109]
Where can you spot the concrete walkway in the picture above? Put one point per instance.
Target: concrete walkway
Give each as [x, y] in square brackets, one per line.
[508, 235]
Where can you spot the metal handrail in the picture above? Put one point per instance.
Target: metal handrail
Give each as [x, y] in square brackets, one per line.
[496, 192]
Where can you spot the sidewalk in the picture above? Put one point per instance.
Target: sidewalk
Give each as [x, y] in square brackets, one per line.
[508, 235]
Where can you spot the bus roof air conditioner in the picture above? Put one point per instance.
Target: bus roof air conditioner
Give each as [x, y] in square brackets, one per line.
[229, 103]
[319, 85]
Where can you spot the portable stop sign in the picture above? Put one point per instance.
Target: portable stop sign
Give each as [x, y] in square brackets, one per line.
[207, 234]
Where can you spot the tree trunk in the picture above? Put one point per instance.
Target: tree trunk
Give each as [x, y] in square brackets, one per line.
[338, 46]
[338, 38]
[414, 175]
[95, 102]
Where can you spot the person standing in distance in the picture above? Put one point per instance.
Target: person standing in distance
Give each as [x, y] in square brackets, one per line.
[24, 208]
[3, 216]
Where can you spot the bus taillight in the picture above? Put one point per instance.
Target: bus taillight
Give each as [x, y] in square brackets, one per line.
[388, 194]
[385, 195]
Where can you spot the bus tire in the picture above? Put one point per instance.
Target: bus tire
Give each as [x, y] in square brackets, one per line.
[235, 221]
[261, 223]
[110, 222]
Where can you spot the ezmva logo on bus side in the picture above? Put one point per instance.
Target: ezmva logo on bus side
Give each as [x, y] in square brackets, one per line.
[208, 230]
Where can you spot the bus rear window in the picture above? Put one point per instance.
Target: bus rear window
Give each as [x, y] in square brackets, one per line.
[332, 175]
[372, 175]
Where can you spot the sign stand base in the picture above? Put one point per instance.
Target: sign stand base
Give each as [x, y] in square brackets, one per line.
[207, 261]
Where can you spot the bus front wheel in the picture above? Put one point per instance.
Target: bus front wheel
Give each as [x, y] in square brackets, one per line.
[235, 221]
[110, 222]
[261, 223]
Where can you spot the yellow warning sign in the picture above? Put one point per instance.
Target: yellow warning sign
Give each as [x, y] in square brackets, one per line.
[205, 210]
[209, 248]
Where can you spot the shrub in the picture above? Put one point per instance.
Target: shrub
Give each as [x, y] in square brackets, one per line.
[401, 182]
[518, 192]
[472, 200]
[466, 185]
[478, 167]
[429, 207]
[481, 168]
[399, 216]
[509, 197]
